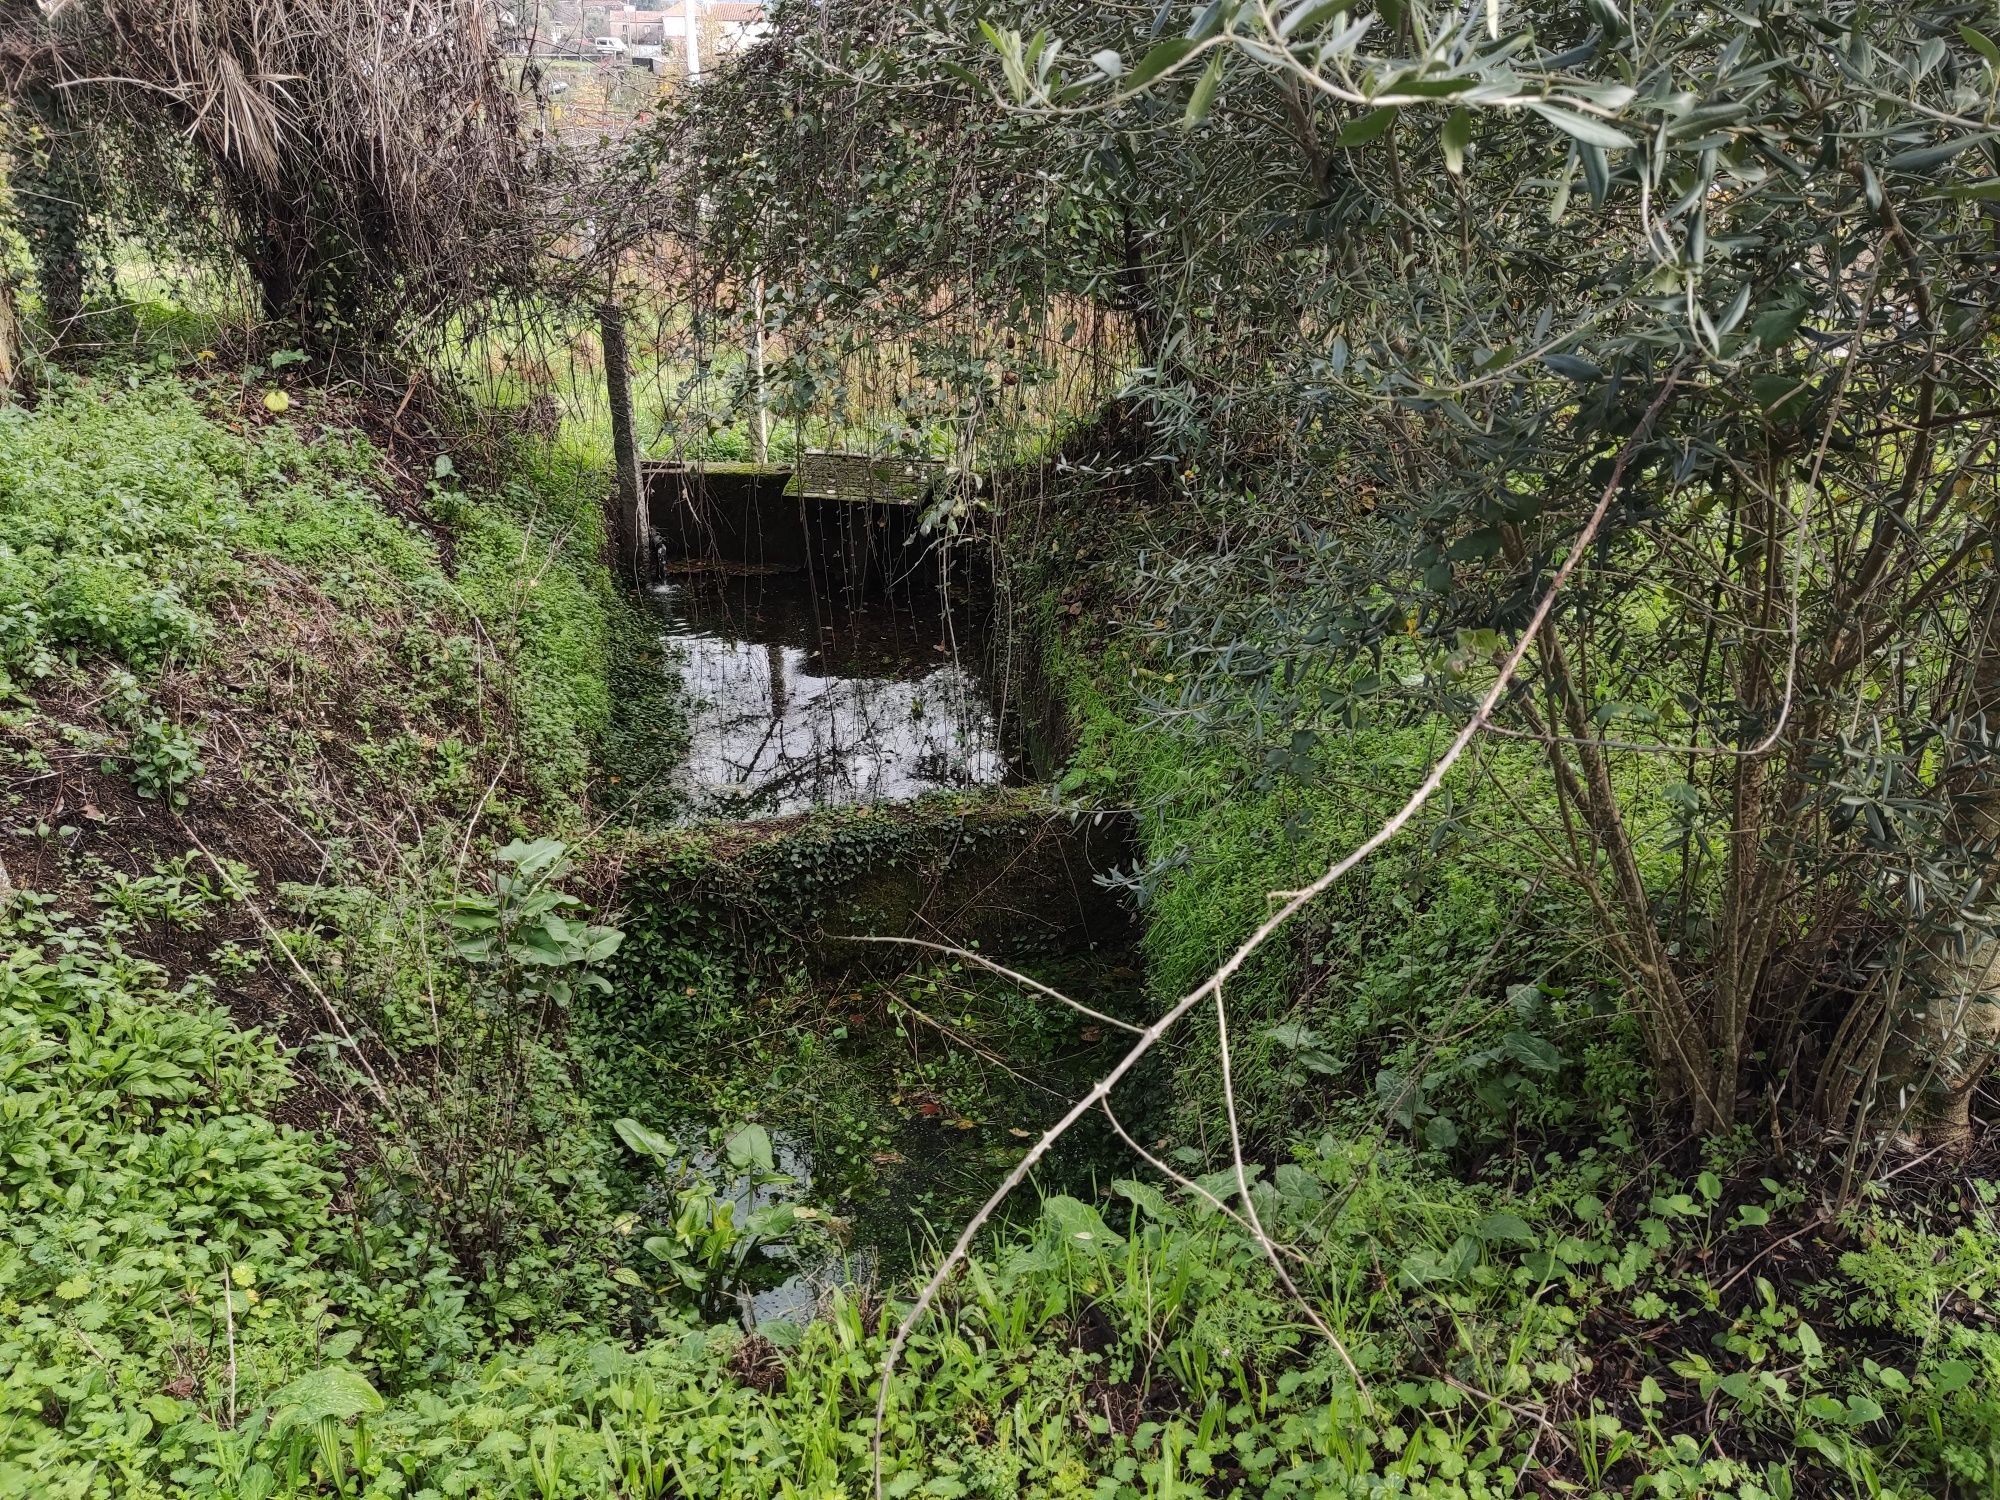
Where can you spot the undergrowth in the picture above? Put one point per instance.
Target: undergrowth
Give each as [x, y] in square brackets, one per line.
[312, 1184]
[192, 1312]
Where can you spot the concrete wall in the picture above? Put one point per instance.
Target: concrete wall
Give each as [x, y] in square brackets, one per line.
[738, 515]
[999, 868]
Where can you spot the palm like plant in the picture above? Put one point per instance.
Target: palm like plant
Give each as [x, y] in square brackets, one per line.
[361, 157]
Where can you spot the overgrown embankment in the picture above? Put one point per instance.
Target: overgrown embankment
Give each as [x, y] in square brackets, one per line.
[1450, 932]
[267, 688]
[1449, 1021]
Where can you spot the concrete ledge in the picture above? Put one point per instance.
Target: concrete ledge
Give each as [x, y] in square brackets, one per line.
[1001, 869]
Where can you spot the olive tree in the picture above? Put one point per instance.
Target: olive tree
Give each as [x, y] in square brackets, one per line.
[1404, 282]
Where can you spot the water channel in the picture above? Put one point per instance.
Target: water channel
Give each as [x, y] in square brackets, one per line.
[799, 693]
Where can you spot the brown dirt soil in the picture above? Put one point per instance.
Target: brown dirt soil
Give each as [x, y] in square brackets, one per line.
[311, 716]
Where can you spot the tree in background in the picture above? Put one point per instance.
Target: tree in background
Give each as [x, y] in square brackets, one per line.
[360, 158]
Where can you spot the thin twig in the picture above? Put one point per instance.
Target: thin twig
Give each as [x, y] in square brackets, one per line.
[1256, 1224]
[967, 955]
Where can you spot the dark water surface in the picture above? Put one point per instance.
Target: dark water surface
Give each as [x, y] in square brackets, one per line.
[800, 698]
[799, 695]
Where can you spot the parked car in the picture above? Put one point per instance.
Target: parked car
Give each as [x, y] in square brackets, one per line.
[608, 46]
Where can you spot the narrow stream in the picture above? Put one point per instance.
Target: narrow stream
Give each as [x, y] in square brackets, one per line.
[798, 694]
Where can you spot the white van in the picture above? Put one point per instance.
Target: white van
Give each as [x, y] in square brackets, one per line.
[608, 46]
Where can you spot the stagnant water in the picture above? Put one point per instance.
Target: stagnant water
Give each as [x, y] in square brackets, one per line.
[906, 1199]
[798, 697]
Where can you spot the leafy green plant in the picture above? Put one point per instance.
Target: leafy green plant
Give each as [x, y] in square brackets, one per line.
[525, 936]
[715, 1227]
[164, 758]
[179, 892]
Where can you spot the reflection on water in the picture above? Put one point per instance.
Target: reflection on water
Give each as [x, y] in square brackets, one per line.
[796, 702]
[783, 1279]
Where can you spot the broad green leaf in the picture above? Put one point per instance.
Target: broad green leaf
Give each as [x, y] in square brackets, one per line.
[1292, 1035]
[1147, 1198]
[1531, 1052]
[1295, 1184]
[1078, 1225]
[336, 1392]
[532, 858]
[1504, 1228]
[750, 1147]
[645, 1141]
[1952, 1375]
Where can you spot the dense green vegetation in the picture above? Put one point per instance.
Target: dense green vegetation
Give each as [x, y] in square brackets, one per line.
[210, 1294]
[1551, 451]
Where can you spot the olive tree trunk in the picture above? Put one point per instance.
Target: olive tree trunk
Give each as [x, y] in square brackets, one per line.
[1948, 1029]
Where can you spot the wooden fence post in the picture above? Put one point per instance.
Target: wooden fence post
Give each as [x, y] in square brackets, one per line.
[631, 528]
